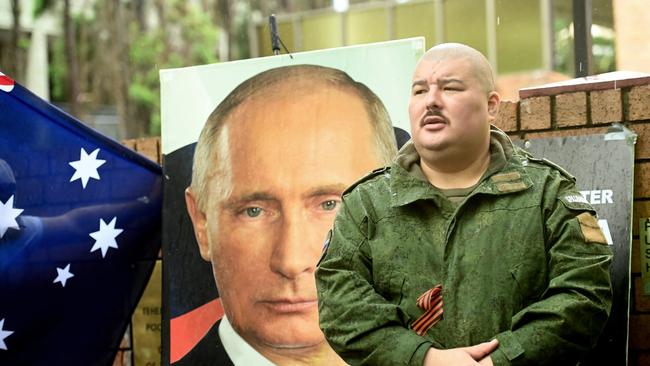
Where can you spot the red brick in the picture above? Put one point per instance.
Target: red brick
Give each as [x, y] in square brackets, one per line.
[636, 260]
[149, 147]
[643, 359]
[641, 301]
[641, 180]
[535, 113]
[563, 133]
[638, 103]
[571, 109]
[640, 210]
[606, 106]
[129, 143]
[640, 331]
[507, 117]
[642, 147]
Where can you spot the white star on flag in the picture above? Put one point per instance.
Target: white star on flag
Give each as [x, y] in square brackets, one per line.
[63, 274]
[105, 237]
[3, 334]
[8, 215]
[86, 167]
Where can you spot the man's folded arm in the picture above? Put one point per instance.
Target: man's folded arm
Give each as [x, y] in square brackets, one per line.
[360, 324]
[567, 320]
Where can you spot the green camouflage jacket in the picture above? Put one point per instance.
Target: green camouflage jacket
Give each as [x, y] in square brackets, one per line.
[521, 259]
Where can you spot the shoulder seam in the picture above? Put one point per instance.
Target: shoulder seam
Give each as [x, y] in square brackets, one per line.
[365, 178]
[555, 167]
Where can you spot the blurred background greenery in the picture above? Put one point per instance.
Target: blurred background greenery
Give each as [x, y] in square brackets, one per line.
[99, 60]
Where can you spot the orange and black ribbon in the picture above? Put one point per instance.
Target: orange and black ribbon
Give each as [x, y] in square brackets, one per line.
[431, 303]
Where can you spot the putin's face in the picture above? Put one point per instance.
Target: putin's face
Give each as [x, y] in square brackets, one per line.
[292, 154]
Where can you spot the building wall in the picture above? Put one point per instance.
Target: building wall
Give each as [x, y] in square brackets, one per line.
[513, 37]
[631, 18]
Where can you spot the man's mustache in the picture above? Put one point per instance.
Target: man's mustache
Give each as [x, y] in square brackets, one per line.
[433, 113]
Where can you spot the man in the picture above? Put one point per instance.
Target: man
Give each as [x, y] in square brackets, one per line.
[509, 260]
[269, 169]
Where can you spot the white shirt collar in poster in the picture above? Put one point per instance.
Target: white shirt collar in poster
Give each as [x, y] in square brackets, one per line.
[240, 352]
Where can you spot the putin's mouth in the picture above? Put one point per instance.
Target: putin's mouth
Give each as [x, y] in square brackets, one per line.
[287, 306]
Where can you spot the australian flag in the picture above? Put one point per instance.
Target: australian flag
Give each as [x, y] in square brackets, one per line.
[79, 234]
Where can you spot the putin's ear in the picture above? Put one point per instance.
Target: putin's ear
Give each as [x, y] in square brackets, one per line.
[493, 105]
[199, 223]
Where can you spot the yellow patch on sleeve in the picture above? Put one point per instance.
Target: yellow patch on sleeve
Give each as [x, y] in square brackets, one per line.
[590, 229]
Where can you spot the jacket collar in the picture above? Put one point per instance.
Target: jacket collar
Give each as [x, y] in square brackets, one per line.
[408, 183]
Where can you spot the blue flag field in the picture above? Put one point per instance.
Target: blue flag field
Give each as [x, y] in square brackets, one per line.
[79, 233]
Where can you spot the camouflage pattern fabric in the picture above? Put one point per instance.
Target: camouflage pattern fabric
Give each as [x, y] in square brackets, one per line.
[519, 259]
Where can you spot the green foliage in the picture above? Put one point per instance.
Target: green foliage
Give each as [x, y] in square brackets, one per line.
[23, 43]
[41, 6]
[58, 71]
[603, 57]
[563, 55]
[188, 38]
[604, 54]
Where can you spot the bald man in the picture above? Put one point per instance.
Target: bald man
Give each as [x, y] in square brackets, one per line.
[466, 250]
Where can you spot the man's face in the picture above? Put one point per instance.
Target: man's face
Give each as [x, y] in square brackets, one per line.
[291, 157]
[449, 109]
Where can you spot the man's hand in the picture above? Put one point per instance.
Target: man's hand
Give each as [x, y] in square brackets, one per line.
[461, 356]
[487, 361]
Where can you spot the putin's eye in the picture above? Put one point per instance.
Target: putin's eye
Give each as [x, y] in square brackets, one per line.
[253, 211]
[329, 205]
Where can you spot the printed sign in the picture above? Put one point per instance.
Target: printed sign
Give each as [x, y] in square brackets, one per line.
[644, 249]
[285, 137]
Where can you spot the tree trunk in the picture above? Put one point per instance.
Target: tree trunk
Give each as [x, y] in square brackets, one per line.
[119, 54]
[71, 58]
[139, 14]
[286, 6]
[83, 57]
[224, 9]
[13, 65]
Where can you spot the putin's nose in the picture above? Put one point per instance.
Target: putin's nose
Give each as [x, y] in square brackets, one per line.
[292, 251]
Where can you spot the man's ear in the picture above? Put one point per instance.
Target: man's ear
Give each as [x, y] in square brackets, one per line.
[199, 223]
[493, 105]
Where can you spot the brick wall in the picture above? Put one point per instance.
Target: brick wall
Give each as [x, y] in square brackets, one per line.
[127, 355]
[590, 107]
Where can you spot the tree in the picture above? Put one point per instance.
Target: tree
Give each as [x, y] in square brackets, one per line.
[71, 59]
[14, 55]
[185, 36]
[13, 68]
[112, 55]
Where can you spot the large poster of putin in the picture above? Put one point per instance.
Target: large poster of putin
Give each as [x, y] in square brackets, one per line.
[257, 154]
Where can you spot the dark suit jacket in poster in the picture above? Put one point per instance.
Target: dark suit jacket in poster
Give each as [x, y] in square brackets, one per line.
[209, 351]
